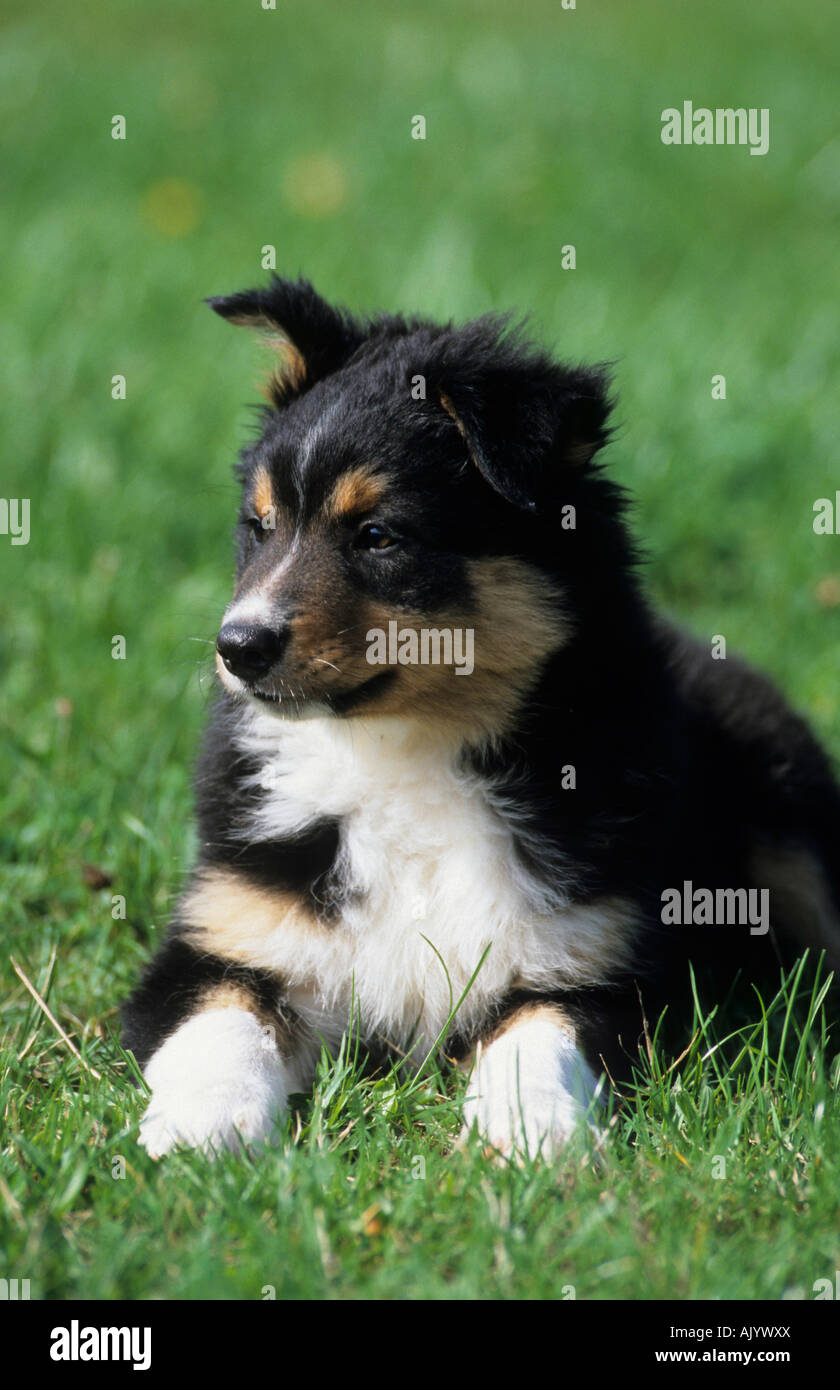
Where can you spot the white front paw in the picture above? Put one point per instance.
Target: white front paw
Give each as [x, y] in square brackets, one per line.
[214, 1085]
[538, 1127]
[220, 1118]
[530, 1091]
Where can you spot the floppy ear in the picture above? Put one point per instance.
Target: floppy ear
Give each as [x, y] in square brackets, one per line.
[312, 339]
[526, 421]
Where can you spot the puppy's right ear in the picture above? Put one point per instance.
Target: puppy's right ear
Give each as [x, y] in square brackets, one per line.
[312, 339]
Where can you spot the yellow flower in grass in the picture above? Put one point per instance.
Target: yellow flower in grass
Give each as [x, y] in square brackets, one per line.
[315, 186]
[173, 207]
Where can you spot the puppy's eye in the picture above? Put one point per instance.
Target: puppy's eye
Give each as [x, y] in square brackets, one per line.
[260, 527]
[373, 537]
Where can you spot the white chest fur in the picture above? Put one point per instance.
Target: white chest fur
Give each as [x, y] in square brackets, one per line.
[432, 864]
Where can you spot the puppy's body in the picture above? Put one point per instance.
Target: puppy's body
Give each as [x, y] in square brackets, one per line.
[363, 827]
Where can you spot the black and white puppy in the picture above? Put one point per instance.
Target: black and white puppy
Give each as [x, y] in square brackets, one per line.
[450, 731]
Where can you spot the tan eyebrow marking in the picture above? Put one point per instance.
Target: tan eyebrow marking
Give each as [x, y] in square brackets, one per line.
[263, 495]
[355, 491]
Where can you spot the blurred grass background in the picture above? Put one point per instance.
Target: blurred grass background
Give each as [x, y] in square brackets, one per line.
[291, 127]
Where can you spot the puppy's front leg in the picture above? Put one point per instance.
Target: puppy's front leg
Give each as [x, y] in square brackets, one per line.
[215, 1038]
[217, 1079]
[530, 1086]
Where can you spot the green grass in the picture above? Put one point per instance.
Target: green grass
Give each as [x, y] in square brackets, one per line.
[714, 1178]
[291, 127]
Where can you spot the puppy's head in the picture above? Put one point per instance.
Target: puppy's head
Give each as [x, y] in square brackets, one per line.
[398, 515]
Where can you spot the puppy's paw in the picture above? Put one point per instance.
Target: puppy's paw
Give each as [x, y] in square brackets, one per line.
[215, 1084]
[213, 1119]
[529, 1092]
[539, 1128]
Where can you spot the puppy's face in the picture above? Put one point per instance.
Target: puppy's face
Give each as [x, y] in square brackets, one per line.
[385, 533]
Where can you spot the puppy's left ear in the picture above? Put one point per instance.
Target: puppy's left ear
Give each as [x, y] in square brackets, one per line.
[527, 421]
[310, 336]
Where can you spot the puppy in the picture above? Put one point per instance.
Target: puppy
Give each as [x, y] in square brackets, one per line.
[454, 753]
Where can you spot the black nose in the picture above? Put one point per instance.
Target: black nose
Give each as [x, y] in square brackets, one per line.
[250, 651]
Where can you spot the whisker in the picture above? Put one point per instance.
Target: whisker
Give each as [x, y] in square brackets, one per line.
[350, 628]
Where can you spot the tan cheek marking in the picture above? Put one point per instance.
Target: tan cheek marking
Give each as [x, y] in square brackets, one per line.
[230, 917]
[355, 492]
[262, 492]
[520, 614]
[518, 622]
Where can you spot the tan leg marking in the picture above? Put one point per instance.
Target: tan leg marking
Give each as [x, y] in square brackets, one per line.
[526, 1012]
[232, 918]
